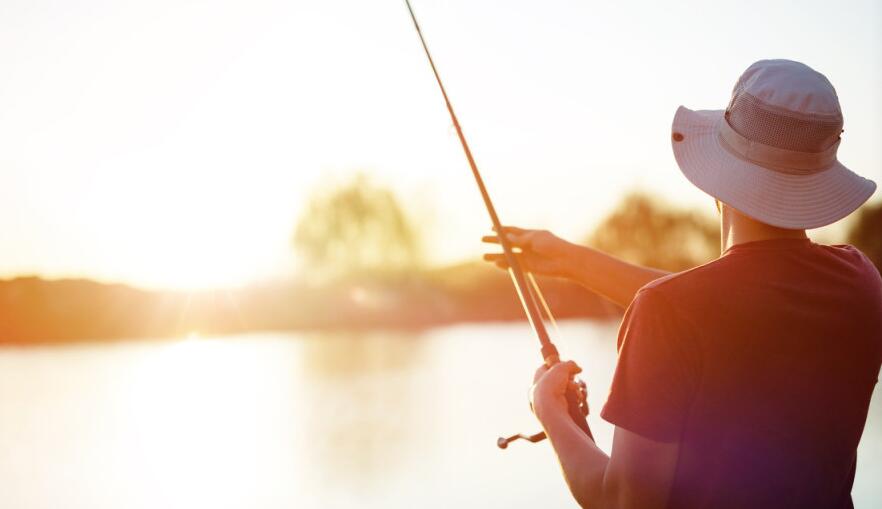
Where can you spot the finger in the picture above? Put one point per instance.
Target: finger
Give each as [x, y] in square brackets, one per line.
[516, 240]
[523, 240]
[497, 260]
[493, 257]
[514, 230]
[516, 236]
[513, 238]
[563, 372]
[541, 370]
[572, 367]
[556, 379]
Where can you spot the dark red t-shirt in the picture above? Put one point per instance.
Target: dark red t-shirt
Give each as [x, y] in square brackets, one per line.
[761, 365]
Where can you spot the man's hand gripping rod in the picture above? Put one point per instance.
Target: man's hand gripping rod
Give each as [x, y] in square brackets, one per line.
[577, 404]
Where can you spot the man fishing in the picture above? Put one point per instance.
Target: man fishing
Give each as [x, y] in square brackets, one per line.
[745, 382]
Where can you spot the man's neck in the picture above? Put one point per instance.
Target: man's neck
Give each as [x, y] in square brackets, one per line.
[737, 228]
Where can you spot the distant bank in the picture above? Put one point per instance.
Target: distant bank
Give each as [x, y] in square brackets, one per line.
[39, 311]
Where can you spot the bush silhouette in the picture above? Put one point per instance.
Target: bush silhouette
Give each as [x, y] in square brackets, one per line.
[357, 228]
[645, 231]
[866, 232]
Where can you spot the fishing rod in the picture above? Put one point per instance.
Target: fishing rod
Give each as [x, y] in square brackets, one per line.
[529, 294]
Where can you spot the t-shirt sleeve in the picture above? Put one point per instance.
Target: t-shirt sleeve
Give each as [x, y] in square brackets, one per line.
[657, 370]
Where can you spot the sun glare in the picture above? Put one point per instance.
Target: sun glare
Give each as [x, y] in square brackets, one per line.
[181, 404]
[197, 263]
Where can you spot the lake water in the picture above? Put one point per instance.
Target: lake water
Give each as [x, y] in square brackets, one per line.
[306, 421]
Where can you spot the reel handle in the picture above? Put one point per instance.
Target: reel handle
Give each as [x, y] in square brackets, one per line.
[577, 407]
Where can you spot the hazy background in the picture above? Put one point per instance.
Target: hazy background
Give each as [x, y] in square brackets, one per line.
[171, 144]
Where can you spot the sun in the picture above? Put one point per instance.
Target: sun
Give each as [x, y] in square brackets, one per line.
[178, 262]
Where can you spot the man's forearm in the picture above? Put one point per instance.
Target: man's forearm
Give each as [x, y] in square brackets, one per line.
[583, 463]
[611, 277]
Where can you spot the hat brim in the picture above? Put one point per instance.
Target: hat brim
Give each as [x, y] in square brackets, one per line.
[772, 197]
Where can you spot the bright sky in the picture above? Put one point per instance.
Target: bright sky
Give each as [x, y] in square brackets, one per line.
[171, 143]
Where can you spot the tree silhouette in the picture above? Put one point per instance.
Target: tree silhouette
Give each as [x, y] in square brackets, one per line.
[357, 228]
[647, 232]
[866, 233]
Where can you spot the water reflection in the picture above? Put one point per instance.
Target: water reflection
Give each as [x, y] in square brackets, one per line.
[197, 412]
[356, 355]
[365, 405]
[280, 421]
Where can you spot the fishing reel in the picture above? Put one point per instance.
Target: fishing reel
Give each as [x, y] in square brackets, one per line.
[577, 407]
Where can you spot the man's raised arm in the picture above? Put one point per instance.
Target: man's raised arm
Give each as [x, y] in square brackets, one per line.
[544, 253]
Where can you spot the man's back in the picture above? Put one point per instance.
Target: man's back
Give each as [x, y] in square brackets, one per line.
[761, 365]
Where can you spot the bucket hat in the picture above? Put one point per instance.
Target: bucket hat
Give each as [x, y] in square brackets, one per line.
[771, 153]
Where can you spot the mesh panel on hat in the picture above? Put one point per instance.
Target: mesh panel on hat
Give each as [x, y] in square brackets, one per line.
[768, 125]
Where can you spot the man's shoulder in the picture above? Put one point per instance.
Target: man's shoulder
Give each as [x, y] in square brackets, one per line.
[694, 281]
[748, 269]
[671, 300]
[852, 255]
